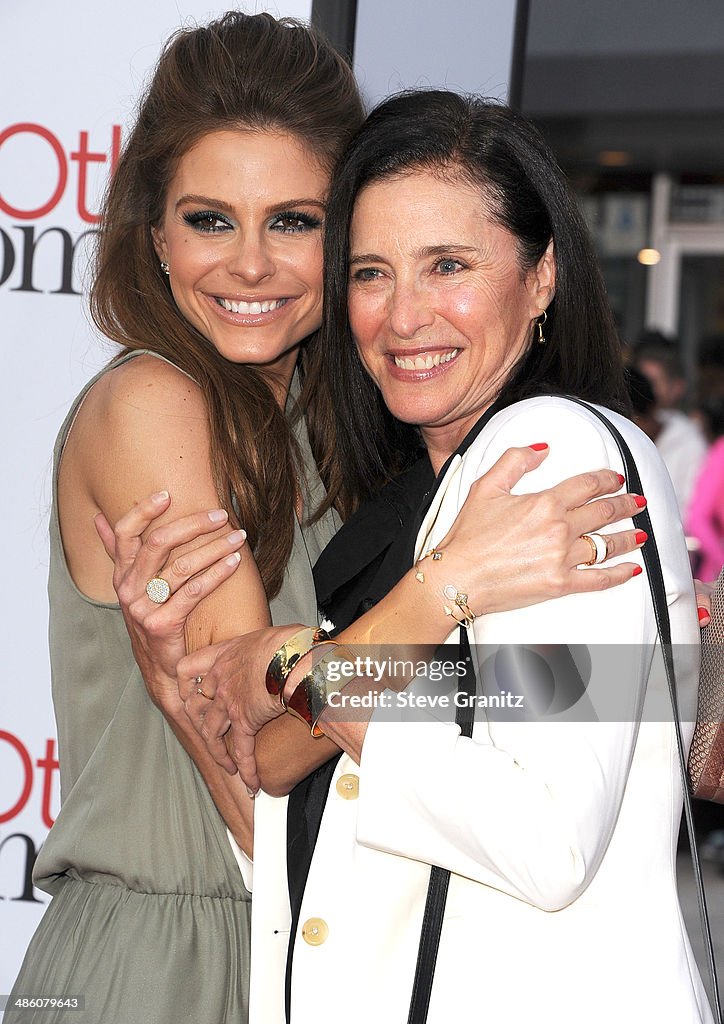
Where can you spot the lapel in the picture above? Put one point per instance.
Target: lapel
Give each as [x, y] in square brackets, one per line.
[454, 468]
[448, 474]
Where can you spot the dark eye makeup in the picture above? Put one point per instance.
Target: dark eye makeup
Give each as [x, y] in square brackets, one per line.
[207, 220]
[293, 221]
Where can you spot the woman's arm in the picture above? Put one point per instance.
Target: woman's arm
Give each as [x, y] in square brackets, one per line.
[143, 427]
[527, 547]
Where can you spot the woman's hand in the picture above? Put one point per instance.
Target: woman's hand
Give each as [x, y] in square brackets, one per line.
[509, 551]
[157, 631]
[224, 691]
[703, 601]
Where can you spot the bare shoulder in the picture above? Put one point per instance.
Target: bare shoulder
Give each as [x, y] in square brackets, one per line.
[143, 388]
[143, 427]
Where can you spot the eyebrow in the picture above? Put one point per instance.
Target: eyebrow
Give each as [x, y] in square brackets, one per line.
[425, 252]
[224, 207]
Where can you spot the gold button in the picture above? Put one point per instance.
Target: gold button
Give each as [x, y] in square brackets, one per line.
[315, 931]
[348, 786]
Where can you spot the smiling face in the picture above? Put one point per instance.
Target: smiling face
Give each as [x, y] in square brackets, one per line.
[241, 234]
[439, 306]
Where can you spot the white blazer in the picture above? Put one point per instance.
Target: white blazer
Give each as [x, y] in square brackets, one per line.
[561, 838]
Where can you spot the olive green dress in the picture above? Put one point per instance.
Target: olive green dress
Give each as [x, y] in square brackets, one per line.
[149, 920]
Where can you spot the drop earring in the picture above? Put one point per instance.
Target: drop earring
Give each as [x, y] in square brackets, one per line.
[539, 322]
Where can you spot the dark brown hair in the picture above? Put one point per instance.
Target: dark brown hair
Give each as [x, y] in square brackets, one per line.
[247, 72]
[525, 191]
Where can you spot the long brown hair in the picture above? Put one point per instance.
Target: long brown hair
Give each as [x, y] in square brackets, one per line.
[241, 71]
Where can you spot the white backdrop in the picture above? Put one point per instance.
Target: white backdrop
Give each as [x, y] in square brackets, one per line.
[70, 75]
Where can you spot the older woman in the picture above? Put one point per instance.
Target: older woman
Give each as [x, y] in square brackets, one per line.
[462, 287]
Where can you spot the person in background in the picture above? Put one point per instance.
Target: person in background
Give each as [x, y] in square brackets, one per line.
[678, 438]
[643, 401]
[705, 517]
[710, 382]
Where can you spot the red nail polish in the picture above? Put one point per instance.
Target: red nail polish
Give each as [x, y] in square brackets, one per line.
[640, 501]
[637, 570]
[621, 479]
[540, 447]
[641, 536]
[703, 614]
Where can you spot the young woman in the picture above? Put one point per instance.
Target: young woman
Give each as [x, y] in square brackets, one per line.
[209, 274]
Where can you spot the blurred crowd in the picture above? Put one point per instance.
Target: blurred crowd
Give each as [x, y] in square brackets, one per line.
[687, 426]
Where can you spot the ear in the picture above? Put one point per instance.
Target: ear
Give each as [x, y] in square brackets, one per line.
[159, 243]
[542, 281]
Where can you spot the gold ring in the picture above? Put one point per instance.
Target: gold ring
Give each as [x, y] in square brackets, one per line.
[599, 548]
[198, 680]
[158, 590]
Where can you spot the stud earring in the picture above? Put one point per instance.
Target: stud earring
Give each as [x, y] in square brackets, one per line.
[539, 323]
[165, 267]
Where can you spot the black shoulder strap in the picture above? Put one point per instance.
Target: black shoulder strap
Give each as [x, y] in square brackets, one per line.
[655, 575]
[440, 877]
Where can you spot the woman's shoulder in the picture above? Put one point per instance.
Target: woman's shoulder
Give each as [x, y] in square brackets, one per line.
[581, 429]
[579, 441]
[144, 382]
[142, 396]
[141, 415]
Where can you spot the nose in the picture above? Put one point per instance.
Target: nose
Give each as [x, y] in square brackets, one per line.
[410, 309]
[250, 259]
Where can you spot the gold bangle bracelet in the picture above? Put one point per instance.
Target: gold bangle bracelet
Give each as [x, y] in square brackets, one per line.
[312, 694]
[290, 652]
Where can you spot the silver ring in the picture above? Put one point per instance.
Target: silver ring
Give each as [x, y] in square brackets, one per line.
[599, 548]
[158, 590]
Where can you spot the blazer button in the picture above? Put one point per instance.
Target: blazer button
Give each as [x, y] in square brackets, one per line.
[315, 931]
[348, 786]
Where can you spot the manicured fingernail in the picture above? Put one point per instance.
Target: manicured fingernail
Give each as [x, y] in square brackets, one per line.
[219, 515]
[637, 570]
[704, 615]
[237, 537]
[621, 479]
[233, 559]
[640, 501]
[641, 536]
[252, 792]
[159, 497]
[540, 447]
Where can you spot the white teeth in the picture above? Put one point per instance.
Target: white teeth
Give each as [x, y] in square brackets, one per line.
[425, 362]
[251, 307]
